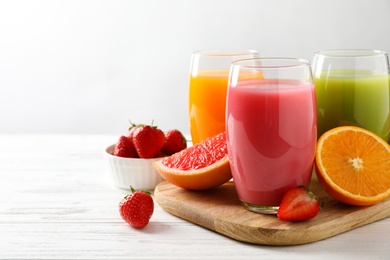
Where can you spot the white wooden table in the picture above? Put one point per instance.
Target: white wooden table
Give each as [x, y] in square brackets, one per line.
[57, 202]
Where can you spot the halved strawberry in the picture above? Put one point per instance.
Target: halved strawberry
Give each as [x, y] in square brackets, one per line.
[299, 204]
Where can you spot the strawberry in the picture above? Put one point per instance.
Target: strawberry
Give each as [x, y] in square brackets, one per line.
[299, 204]
[136, 208]
[174, 142]
[148, 141]
[132, 128]
[125, 148]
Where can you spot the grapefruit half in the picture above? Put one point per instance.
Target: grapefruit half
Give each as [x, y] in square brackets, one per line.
[202, 166]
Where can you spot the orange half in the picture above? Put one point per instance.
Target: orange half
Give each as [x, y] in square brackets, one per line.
[353, 165]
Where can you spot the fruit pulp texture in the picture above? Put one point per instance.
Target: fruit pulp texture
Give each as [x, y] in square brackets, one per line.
[207, 104]
[271, 138]
[353, 98]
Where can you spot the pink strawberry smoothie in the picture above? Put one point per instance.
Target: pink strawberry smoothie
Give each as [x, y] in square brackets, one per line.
[271, 138]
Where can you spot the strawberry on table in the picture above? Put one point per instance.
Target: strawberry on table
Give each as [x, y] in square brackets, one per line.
[148, 141]
[125, 148]
[299, 204]
[174, 142]
[137, 208]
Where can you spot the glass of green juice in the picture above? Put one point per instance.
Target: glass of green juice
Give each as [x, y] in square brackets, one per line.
[352, 88]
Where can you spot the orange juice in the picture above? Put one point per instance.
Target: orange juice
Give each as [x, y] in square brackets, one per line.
[207, 103]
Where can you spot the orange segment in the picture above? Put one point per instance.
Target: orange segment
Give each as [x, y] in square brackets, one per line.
[200, 167]
[353, 165]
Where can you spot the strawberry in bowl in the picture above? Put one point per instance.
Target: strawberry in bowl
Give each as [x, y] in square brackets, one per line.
[130, 160]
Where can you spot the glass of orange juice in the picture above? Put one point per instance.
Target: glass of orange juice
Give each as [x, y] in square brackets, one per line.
[209, 74]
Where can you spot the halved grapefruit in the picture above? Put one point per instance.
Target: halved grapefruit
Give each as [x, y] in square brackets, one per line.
[200, 167]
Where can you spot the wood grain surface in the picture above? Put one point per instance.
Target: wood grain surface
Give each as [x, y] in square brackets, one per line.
[220, 210]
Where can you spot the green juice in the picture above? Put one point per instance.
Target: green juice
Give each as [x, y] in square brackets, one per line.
[353, 98]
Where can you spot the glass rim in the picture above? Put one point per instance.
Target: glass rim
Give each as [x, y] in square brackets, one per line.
[222, 52]
[294, 63]
[350, 53]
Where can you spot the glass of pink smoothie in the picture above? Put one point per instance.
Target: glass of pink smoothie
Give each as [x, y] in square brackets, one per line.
[271, 127]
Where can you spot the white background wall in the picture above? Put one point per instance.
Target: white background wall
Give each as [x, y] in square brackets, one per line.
[89, 66]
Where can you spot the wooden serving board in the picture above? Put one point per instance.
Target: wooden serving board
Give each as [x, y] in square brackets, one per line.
[220, 210]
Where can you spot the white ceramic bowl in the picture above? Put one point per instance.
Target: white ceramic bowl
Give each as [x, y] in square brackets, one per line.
[135, 172]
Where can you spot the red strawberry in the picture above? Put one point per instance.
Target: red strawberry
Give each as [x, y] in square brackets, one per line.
[174, 142]
[125, 148]
[299, 204]
[148, 141]
[136, 208]
[132, 128]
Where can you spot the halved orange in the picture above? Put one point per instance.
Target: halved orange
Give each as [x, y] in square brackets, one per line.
[200, 167]
[353, 165]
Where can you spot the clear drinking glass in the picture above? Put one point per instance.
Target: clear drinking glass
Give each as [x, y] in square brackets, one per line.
[209, 75]
[352, 88]
[271, 128]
